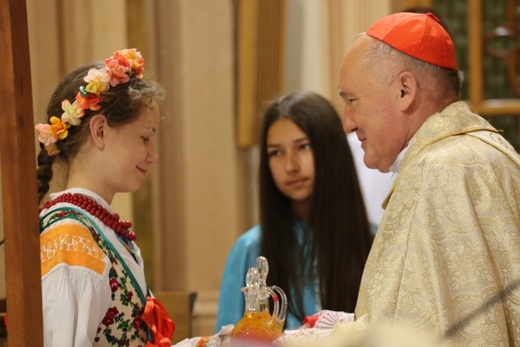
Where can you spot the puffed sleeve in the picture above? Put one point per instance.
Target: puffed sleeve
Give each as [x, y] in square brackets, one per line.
[75, 284]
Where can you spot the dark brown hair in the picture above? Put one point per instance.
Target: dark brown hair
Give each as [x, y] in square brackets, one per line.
[337, 231]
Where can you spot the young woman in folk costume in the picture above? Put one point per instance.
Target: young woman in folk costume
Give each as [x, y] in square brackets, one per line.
[102, 122]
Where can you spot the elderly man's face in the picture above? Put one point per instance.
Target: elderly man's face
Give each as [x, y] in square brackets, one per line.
[371, 109]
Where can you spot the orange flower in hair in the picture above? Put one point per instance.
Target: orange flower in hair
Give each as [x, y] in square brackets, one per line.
[59, 128]
[90, 102]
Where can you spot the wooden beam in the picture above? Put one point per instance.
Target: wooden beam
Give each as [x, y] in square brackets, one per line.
[475, 53]
[260, 62]
[19, 192]
[496, 107]
[247, 70]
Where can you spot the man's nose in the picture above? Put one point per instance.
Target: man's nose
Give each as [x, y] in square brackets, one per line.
[348, 124]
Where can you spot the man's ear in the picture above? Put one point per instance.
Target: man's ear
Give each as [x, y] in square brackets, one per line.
[408, 88]
[98, 125]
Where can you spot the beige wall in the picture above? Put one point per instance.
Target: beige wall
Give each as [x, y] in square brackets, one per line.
[319, 33]
[203, 188]
[202, 178]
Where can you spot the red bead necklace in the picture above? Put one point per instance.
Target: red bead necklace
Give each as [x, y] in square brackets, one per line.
[111, 220]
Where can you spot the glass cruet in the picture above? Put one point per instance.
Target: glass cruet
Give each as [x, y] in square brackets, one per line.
[258, 322]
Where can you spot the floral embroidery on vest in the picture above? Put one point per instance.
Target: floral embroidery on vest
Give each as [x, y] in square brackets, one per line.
[122, 325]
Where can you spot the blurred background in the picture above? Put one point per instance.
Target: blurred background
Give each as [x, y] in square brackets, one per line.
[220, 62]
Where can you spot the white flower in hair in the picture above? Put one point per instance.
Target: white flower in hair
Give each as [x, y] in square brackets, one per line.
[72, 112]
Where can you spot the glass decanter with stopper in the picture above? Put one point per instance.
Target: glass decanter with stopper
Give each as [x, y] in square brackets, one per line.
[258, 323]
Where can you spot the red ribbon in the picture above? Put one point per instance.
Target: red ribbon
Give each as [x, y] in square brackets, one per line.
[159, 322]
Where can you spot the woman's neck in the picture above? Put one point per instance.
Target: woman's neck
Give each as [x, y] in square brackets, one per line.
[86, 183]
[301, 208]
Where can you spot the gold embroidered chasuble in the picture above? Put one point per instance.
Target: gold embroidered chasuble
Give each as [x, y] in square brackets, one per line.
[446, 257]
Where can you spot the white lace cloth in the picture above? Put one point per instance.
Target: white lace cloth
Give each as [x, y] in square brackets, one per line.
[323, 327]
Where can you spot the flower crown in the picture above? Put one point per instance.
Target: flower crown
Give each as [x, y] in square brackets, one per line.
[119, 69]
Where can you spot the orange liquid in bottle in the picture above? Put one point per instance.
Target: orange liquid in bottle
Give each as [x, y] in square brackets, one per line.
[256, 326]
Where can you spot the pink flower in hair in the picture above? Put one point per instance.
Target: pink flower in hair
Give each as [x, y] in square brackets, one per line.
[136, 61]
[118, 67]
[45, 135]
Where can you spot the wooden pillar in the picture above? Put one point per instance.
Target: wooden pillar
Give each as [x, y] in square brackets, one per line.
[19, 194]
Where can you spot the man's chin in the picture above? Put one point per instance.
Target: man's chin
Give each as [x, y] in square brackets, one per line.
[369, 163]
[372, 164]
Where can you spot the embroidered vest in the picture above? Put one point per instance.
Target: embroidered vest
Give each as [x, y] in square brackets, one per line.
[122, 324]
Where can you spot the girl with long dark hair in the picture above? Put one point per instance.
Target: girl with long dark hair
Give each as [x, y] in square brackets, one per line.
[313, 228]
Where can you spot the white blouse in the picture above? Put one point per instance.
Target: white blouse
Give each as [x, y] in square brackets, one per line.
[75, 284]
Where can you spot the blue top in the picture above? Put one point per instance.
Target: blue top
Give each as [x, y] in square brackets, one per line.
[242, 257]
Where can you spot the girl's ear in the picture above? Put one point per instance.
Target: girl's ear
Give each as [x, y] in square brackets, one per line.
[98, 125]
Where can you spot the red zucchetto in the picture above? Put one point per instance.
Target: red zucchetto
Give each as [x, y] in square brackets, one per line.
[418, 35]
